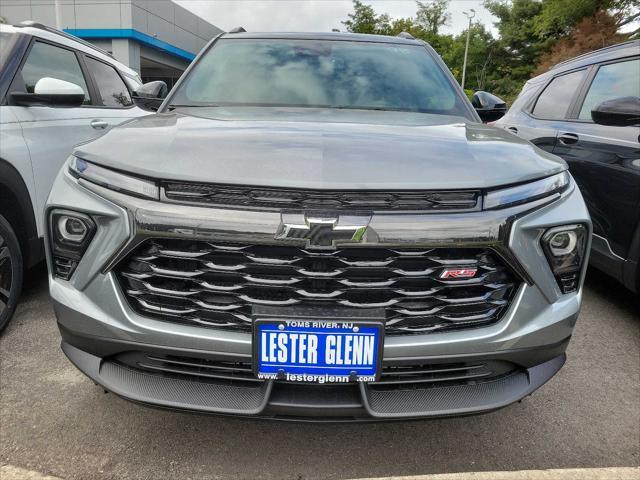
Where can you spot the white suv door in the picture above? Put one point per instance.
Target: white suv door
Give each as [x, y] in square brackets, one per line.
[51, 132]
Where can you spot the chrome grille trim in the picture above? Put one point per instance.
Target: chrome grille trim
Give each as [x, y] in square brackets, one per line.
[221, 286]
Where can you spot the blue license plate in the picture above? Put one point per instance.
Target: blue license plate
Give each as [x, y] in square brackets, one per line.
[317, 351]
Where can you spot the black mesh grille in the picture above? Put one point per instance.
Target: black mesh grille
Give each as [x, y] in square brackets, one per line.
[392, 376]
[220, 285]
[279, 198]
[190, 368]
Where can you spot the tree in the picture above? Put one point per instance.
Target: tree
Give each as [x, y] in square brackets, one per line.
[482, 59]
[518, 47]
[408, 25]
[432, 15]
[516, 25]
[559, 17]
[628, 11]
[365, 20]
[591, 33]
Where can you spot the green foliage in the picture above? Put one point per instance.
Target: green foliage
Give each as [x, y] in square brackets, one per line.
[516, 25]
[481, 60]
[430, 16]
[589, 34]
[406, 25]
[364, 19]
[558, 17]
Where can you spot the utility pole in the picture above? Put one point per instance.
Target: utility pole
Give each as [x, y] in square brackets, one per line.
[470, 14]
[58, 11]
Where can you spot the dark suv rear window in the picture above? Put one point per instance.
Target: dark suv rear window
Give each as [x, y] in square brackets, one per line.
[321, 73]
[612, 81]
[556, 98]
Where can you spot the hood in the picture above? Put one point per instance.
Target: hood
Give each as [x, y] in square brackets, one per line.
[321, 149]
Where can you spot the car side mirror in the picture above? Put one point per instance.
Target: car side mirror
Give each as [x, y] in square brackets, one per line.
[489, 107]
[151, 95]
[50, 92]
[618, 112]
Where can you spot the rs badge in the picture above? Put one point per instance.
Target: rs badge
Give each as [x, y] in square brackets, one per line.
[450, 273]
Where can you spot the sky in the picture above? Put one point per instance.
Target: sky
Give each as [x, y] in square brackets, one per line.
[316, 15]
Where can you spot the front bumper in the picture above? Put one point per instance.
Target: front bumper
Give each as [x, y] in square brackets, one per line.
[97, 323]
[279, 400]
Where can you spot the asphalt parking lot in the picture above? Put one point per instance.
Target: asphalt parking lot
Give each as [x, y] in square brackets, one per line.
[55, 421]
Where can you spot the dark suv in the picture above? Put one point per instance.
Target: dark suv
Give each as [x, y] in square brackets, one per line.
[554, 111]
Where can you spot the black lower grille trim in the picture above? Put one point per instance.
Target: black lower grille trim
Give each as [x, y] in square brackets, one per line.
[220, 285]
[241, 372]
[191, 368]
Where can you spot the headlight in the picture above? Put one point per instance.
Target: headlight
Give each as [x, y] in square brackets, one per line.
[565, 250]
[70, 234]
[113, 180]
[528, 192]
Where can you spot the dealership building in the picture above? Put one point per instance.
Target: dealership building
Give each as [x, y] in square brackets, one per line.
[157, 38]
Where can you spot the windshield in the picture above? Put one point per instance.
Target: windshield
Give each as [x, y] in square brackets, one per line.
[314, 73]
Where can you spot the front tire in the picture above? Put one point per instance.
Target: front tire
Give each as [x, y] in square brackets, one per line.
[11, 272]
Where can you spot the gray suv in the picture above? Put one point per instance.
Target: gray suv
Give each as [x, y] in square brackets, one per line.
[316, 226]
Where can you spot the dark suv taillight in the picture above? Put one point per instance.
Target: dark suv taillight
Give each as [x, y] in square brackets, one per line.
[70, 235]
[565, 248]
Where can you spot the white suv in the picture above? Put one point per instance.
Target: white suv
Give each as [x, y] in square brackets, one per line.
[55, 91]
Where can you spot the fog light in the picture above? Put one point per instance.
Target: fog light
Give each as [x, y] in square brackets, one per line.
[70, 234]
[563, 243]
[565, 249]
[71, 229]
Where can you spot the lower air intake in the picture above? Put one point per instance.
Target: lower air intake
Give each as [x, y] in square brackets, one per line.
[392, 377]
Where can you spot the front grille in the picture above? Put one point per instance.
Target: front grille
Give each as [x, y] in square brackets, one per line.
[189, 368]
[391, 376]
[300, 199]
[220, 285]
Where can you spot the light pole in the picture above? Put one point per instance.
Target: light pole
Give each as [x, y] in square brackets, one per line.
[470, 14]
[58, 11]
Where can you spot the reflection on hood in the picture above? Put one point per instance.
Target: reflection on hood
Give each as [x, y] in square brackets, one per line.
[320, 148]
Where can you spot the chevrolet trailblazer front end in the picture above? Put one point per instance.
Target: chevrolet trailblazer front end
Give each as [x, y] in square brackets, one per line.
[316, 227]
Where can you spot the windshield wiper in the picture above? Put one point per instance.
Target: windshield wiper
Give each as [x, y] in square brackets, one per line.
[381, 109]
